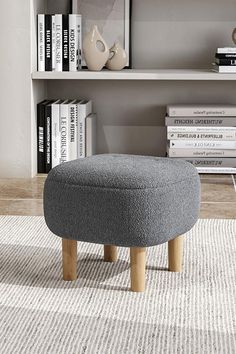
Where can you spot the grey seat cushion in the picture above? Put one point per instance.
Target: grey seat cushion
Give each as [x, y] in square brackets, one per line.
[122, 200]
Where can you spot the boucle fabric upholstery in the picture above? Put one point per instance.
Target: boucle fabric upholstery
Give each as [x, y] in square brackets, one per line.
[122, 200]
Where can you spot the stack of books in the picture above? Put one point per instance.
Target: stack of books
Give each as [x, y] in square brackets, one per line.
[66, 130]
[225, 60]
[204, 135]
[59, 42]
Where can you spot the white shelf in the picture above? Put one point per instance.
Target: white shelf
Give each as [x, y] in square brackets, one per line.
[133, 74]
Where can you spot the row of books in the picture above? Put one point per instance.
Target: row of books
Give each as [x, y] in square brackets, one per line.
[66, 130]
[225, 60]
[59, 42]
[204, 135]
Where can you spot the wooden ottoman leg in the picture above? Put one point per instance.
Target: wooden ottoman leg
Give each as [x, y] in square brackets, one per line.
[110, 253]
[175, 254]
[69, 259]
[138, 264]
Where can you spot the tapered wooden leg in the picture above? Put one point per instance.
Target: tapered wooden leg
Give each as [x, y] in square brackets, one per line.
[110, 253]
[175, 254]
[69, 259]
[138, 264]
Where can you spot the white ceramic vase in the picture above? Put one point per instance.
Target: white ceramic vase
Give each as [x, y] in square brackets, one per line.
[118, 58]
[96, 51]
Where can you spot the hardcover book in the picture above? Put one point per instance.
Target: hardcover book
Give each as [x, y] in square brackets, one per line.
[201, 121]
[48, 43]
[59, 54]
[84, 110]
[172, 152]
[202, 144]
[41, 136]
[201, 110]
[41, 42]
[212, 162]
[65, 35]
[90, 135]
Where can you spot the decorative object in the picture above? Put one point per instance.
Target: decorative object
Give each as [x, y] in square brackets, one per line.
[118, 59]
[234, 36]
[95, 49]
[122, 200]
[113, 18]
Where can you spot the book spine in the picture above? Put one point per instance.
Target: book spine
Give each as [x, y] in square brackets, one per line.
[202, 144]
[218, 170]
[84, 110]
[72, 43]
[90, 135]
[48, 137]
[210, 121]
[226, 62]
[65, 26]
[53, 43]
[73, 131]
[40, 138]
[225, 56]
[208, 129]
[79, 42]
[41, 42]
[212, 162]
[224, 69]
[59, 60]
[201, 111]
[64, 132]
[226, 50]
[48, 43]
[56, 138]
[202, 136]
[172, 152]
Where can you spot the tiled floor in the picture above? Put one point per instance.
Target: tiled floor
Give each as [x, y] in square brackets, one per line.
[24, 196]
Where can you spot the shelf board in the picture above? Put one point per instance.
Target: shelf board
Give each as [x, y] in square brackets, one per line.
[134, 74]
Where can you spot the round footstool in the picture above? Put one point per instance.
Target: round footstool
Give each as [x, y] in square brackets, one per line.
[122, 200]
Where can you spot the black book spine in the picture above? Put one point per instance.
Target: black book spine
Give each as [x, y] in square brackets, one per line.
[41, 137]
[226, 56]
[65, 45]
[48, 43]
[226, 62]
[48, 137]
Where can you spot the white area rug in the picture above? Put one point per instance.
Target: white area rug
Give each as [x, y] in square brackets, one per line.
[192, 312]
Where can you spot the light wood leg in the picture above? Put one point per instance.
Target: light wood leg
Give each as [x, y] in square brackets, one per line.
[110, 253]
[175, 254]
[138, 264]
[69, 259]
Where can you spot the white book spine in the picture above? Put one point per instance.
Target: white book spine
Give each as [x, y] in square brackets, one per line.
[202, 144]
[79, 41]
[172, 152]
[56, 138]
[64, 117]
[212, 162]
[224, 69]
[84, 110]
[218, 170]
[201, 110]
[73, 131]
[226, 50]
[72, 42]
[53, 43]
[195, 129]
[41, 42]
[59, 57]
[202, 136]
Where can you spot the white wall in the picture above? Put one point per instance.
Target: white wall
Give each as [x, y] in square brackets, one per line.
[166, 34]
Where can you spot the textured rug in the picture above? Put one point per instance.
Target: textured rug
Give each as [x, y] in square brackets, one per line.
[192, 312]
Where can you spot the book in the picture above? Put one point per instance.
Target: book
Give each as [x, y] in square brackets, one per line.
[48, 42]
[84, 110]
[79, 41]
[41, 42]
[73, 129]
[202, 144]
[41, 136]
[212, 162]
[225, 56]
[225, 62]
[64, 119]
[90, 135]
[208, 129]
[53, 43]
[201, 121]
[65, 46]
[48, 137]
[55, 133]
[202, 136]
[59, 55]
[201, 110]
[224, 69]
[172, 152]
[226, 50]
[217, 170]
[72, 43]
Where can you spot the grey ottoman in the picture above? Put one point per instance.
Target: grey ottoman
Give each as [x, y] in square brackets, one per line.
[122, 200]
